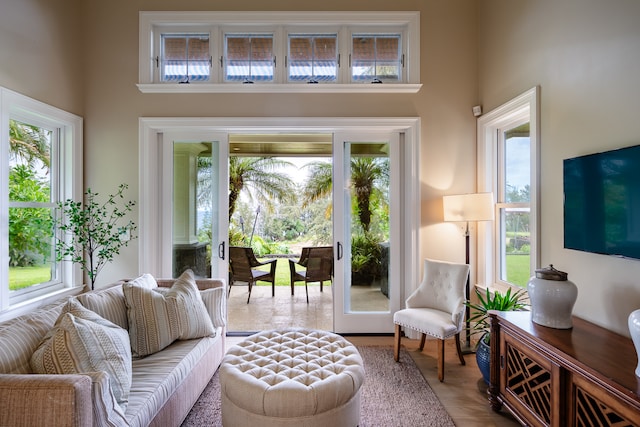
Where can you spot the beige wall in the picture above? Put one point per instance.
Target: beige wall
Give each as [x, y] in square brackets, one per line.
[585, 55]
[40, 51]
[448, 44]
[82, 57]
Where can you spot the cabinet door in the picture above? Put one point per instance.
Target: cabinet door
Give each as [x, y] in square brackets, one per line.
[594, 406]
[527, 382]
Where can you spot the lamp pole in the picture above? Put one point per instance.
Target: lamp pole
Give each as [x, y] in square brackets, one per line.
[468, 349]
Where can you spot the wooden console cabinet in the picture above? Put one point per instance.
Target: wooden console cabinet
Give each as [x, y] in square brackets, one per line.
[582, 376]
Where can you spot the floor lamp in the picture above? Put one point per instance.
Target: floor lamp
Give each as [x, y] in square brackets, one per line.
[465, 208]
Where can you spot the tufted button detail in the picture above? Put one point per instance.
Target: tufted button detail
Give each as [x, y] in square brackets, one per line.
[305, 362]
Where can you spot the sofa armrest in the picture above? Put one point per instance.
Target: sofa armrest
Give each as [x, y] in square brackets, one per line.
[31, 399]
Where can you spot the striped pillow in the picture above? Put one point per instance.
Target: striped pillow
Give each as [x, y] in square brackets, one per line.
[81, 341]
[156, 320]
[108, 303]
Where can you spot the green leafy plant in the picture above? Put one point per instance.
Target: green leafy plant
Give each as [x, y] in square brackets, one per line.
[90, 235]
[479, 319]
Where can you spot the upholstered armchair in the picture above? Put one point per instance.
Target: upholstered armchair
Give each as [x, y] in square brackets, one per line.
[436, 308]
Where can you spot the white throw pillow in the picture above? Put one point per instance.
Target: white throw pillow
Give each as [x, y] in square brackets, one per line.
[82, 341]
[158, 319]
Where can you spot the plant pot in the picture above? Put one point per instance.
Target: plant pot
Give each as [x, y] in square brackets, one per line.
[359, 278]
[483, 357]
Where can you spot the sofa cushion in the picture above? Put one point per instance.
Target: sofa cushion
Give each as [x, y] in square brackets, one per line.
[156, 320]
[108, 303]
[21, 336]
[157, 377]
[82, 341]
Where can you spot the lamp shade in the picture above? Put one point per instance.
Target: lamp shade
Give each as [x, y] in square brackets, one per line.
[468, 207]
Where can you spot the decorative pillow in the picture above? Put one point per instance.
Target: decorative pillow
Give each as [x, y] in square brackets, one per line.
[214, 301]
[108, 303]
[81, 341]
[156, 320]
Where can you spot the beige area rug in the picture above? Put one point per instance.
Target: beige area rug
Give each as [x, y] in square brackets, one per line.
[393, 395]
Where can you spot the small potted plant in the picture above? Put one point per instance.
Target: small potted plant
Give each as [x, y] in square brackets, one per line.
[479, 320]
[91, 234]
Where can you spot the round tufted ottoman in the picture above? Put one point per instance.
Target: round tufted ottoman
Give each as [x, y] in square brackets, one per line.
[295, 377]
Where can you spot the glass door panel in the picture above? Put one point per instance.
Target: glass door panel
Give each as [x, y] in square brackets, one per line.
[365, 237]
[196, 226]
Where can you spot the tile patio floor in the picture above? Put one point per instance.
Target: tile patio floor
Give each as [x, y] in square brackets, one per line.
[286, 311]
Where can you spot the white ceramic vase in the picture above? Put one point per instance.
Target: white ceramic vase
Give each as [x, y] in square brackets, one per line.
[552, 298]
[634, 330]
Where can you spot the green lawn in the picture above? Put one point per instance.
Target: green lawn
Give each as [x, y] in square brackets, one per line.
[22, 277]
[282, 272]
[518, 269]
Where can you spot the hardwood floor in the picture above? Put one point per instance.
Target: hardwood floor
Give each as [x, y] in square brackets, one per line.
[463, 392]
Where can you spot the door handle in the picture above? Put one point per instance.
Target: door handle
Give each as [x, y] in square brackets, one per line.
[339, 250]
[221, 250]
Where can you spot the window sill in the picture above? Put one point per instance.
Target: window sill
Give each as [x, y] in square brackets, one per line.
[34, 303]
[278, 88]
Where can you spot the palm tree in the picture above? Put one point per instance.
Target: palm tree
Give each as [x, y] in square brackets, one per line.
[369, 176]
[28, 143]
[259, 177]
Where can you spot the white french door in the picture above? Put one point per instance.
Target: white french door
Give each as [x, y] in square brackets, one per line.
[367, 232]
[397, 140]
[195, 203]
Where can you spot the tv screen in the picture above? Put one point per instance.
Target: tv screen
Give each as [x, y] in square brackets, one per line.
[602, 203]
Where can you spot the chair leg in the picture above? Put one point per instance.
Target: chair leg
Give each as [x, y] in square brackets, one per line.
[459, 350]
[396, 344]
[273, 288]
[250, 287]
[306, 288]
[441, 360]
[422, 340]
[321, 283]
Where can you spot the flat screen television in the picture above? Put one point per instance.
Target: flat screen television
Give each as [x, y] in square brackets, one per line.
[602, 202]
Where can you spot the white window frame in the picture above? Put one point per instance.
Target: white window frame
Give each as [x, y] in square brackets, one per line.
[67, 182]
[187, 30]
[151, 24]
[525, 107]
[376, 31]
[313, 31]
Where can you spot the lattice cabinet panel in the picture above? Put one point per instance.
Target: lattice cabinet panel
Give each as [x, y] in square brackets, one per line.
[583, 376]
[599, 411]
[530, 382]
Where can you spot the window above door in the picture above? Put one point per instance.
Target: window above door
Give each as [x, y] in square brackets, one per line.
[287, 52]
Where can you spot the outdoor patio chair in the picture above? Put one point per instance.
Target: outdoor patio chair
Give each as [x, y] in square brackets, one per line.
[243, 263]
[318, 264]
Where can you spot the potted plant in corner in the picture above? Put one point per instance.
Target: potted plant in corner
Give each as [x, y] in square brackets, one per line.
[91, 234]
[479, 320]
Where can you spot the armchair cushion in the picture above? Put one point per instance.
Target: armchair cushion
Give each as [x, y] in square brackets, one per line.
[82, 341]
[156, 320]
[435, 323]
[440, 288]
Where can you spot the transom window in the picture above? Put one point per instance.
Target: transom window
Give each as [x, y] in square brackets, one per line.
[376, 58]
[185, 58]
[249, 58]
[216, 51]
[313, 58]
